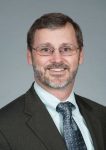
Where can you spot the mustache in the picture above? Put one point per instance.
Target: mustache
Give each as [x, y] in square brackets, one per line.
[57, 66]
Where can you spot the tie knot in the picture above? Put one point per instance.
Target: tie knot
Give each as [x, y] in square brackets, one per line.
[65, 108]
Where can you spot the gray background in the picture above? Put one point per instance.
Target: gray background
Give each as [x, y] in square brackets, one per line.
[16, 16]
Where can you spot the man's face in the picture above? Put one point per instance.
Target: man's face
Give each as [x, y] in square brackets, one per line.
[55, 71]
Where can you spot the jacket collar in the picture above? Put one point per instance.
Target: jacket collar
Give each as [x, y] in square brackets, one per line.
[40, 122]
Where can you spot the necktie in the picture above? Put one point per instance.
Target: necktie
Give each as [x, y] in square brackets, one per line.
[71, 132]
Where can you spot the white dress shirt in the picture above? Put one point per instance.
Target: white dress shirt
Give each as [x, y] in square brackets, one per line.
[51, 103]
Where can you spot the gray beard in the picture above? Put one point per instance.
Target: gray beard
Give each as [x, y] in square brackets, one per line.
[45, 81]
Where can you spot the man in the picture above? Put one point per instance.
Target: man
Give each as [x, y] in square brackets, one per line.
[34, 120]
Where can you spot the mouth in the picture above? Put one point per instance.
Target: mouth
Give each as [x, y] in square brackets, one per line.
[57, 72]
[57, 69]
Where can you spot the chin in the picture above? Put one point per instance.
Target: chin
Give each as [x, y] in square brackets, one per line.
[57, 85]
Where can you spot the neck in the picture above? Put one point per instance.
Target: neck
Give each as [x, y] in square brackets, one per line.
[61, 93]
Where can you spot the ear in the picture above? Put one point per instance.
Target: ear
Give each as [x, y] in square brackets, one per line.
[81, 56]
[29, 57]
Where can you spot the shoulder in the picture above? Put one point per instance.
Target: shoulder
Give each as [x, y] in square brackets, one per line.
[90, 105]
[15, 106]
[15, 111]
[12, 109]
[88, 101]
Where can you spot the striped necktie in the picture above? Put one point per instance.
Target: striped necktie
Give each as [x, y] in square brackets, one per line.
[71, 132]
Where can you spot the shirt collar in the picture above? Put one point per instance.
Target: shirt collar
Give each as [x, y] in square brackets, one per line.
[50, 100]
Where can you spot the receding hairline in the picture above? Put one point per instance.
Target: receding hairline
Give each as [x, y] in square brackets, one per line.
[68, 24]
[54, 21]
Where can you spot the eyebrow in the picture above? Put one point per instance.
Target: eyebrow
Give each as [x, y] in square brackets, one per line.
[46, 44]
[49, 44]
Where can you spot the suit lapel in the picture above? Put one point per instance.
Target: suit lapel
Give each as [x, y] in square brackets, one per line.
[93, 123]
[40, 122]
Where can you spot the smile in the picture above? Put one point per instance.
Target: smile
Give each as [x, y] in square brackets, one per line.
[57, 69]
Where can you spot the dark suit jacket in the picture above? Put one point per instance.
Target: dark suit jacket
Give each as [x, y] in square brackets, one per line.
[25, 124]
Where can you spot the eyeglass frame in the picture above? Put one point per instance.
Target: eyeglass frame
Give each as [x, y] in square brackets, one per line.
[40, 48]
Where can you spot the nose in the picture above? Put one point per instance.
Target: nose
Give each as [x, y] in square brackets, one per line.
[57, 57]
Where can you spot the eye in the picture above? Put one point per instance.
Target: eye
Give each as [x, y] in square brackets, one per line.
[44, 49]
[67, 49]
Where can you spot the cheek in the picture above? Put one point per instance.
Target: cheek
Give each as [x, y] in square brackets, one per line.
[39, 62]
[73, 63]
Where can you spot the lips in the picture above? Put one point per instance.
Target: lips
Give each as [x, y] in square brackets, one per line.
[57, 72]
[57, 67]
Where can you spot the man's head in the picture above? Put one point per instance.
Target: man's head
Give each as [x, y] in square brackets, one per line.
[55, 50]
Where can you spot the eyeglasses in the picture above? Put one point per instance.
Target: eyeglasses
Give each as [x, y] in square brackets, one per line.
[65, 50]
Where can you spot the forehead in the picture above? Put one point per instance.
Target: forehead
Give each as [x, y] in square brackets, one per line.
[58, 35]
